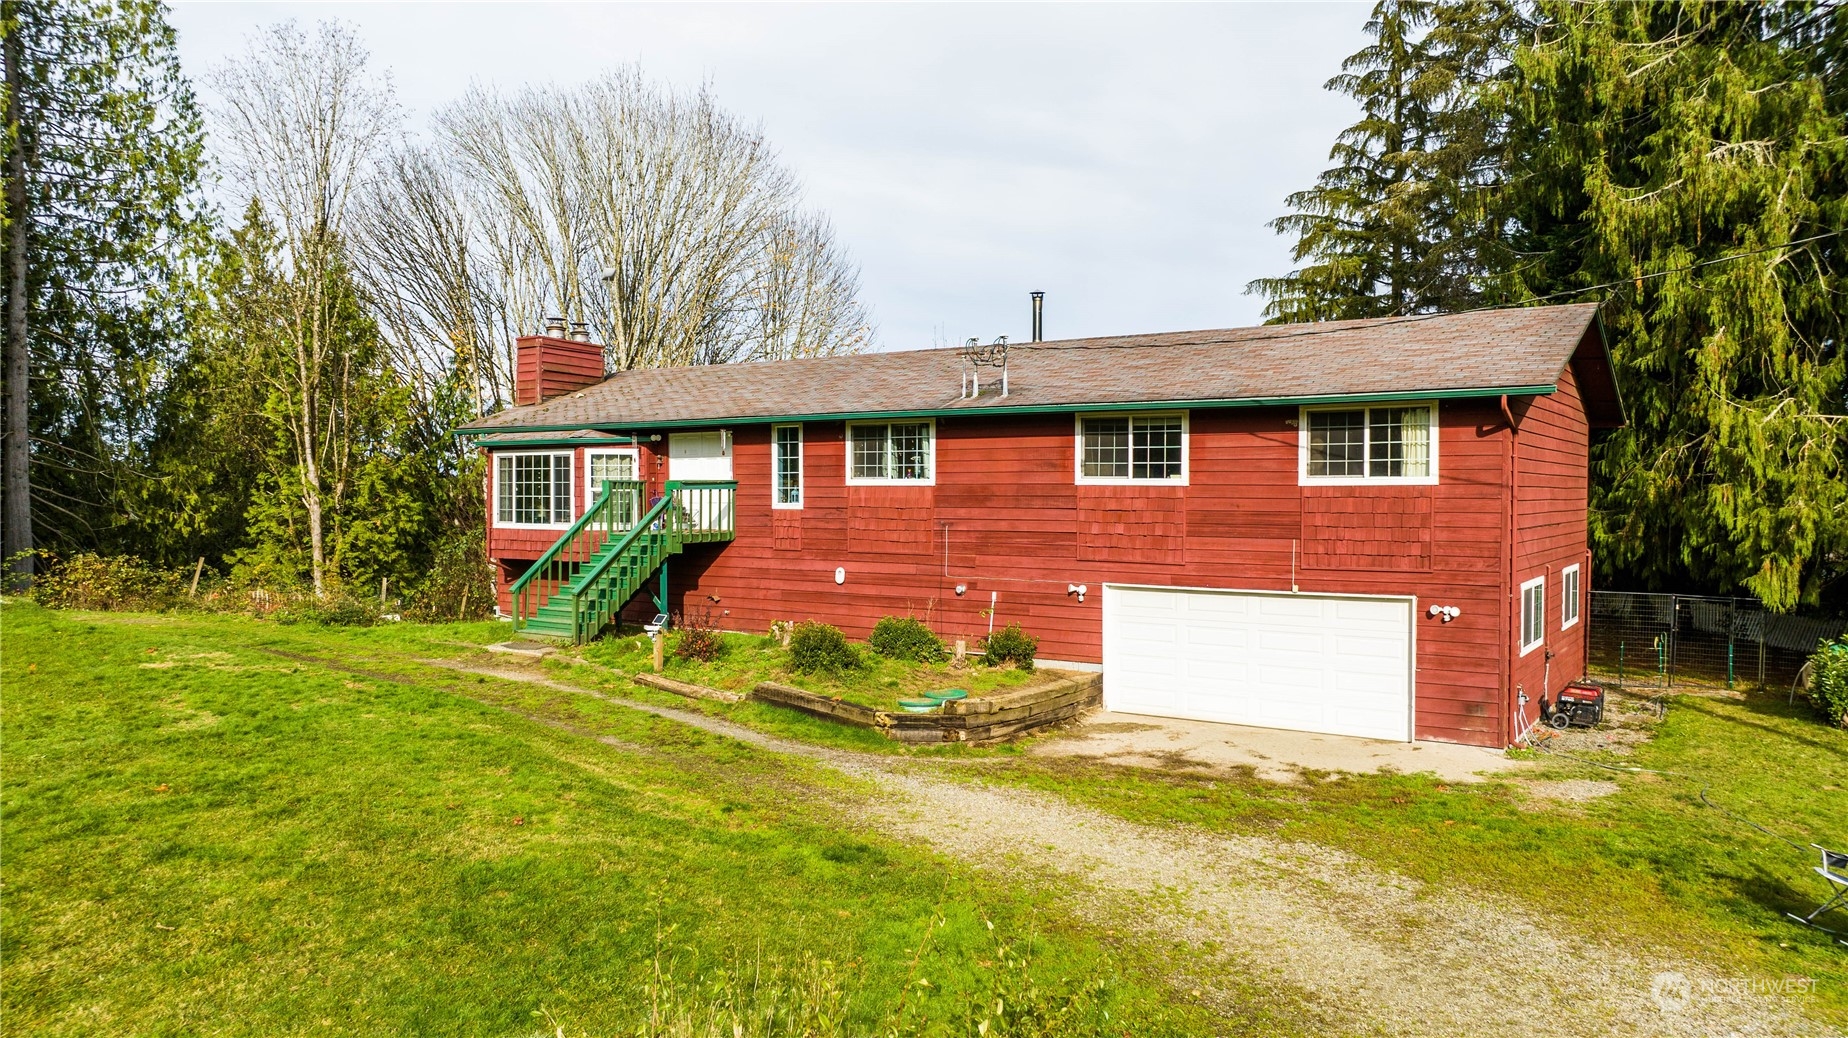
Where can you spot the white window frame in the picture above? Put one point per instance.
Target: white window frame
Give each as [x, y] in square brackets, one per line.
[1303, 478]
[1539, 612]
[776, 473]
[1078, 450]
[1570, 594]
[571, 512]
[867, 481]
[590, 488]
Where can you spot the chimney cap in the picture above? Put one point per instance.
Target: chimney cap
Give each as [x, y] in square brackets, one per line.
[555, 327]
[580, 331]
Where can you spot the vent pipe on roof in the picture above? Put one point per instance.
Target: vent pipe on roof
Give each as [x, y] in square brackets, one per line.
[555, 327]
[1039, 307]
[580, 331]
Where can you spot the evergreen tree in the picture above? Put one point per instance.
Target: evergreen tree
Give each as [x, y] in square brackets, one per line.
[228, 459]
[1397, 226]
[103, 147]
[1697, 156]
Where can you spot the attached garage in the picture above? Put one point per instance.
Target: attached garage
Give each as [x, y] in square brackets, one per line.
[1339, 664]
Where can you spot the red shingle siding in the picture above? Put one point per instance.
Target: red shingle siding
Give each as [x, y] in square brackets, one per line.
[1006, 520]
[1551, 499]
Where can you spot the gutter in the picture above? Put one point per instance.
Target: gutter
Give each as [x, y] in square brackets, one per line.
[1033, 409]
[562, 441]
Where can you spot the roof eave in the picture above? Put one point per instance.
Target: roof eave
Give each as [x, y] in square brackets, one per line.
[1030, 409]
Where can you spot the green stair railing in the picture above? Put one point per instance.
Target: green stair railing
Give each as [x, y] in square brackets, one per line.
[598, 583]
[613, 512]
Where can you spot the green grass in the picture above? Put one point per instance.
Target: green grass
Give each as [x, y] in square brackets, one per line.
[1651, 864]
[749, 659]
[213, 824]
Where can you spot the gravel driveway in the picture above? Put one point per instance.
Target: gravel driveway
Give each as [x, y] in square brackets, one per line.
[1369, 950]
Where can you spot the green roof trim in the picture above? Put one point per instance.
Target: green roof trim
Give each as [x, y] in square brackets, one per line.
[562, 441]
[1006, 412]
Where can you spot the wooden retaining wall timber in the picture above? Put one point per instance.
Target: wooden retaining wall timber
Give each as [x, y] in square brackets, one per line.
[983, 720]
[683, 688]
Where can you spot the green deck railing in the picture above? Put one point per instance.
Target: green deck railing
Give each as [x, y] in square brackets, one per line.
[589, 580]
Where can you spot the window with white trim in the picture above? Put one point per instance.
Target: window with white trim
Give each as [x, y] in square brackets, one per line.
[532, 489]
[1393, 443]
[1533, 614]
[1568, 597]
[890, 452]
[618, 465]
[786, 466]
[1132, 448]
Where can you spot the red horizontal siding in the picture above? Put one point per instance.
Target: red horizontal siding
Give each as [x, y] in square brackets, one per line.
[1006, 521]
[1552, 489]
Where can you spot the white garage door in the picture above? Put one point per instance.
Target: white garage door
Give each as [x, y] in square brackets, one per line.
[1305, 662]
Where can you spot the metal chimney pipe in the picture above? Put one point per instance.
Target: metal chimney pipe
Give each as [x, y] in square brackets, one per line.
[1039, 306]
[580, 331]
[555, 327]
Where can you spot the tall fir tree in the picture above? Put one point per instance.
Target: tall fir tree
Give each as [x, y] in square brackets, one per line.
[103, 158]
[1681, 162]
[1696, 156]
[1397, 226]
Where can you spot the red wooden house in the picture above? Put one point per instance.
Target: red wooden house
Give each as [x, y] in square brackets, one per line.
[1372, 528]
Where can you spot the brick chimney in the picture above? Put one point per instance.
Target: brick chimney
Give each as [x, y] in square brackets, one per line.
[556, 363]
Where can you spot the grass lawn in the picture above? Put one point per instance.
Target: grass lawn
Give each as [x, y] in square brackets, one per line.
[749, 659]
[209, 829]
[1651, 864]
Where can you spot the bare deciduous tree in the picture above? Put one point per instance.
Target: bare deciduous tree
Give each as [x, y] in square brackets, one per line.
[654, 216]
[301, 119]
[438, 304]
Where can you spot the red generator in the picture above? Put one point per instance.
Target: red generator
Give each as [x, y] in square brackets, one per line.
[1578, 704]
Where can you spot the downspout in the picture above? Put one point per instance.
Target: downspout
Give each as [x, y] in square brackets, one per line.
[1512, 725]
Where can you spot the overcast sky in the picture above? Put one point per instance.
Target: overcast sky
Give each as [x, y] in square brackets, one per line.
[1124, 159]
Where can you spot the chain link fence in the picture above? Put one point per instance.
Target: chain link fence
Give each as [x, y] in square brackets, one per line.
[1664, 641]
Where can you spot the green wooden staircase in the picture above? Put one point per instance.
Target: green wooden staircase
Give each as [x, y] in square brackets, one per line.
[582, 582]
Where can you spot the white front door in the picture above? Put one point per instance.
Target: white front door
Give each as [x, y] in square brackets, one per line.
[699, 456]
[1312, 663]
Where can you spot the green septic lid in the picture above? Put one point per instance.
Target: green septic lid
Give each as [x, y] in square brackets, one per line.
[947, 694]
[918, 706]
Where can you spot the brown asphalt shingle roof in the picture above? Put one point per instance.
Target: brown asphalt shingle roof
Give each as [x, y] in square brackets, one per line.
[1481, 350]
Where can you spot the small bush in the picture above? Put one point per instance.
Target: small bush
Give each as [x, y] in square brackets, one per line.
[907, 638]
[815, 646]
[336, 610]
[1829, 682]
[698, 640]
[89, 581]
[1010, 645]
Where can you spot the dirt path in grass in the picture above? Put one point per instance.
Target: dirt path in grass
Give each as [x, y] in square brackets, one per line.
[1368, 950]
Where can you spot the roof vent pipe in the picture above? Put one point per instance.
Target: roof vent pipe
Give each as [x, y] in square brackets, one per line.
[555, 327]
[1039, 306]
[580, 331]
